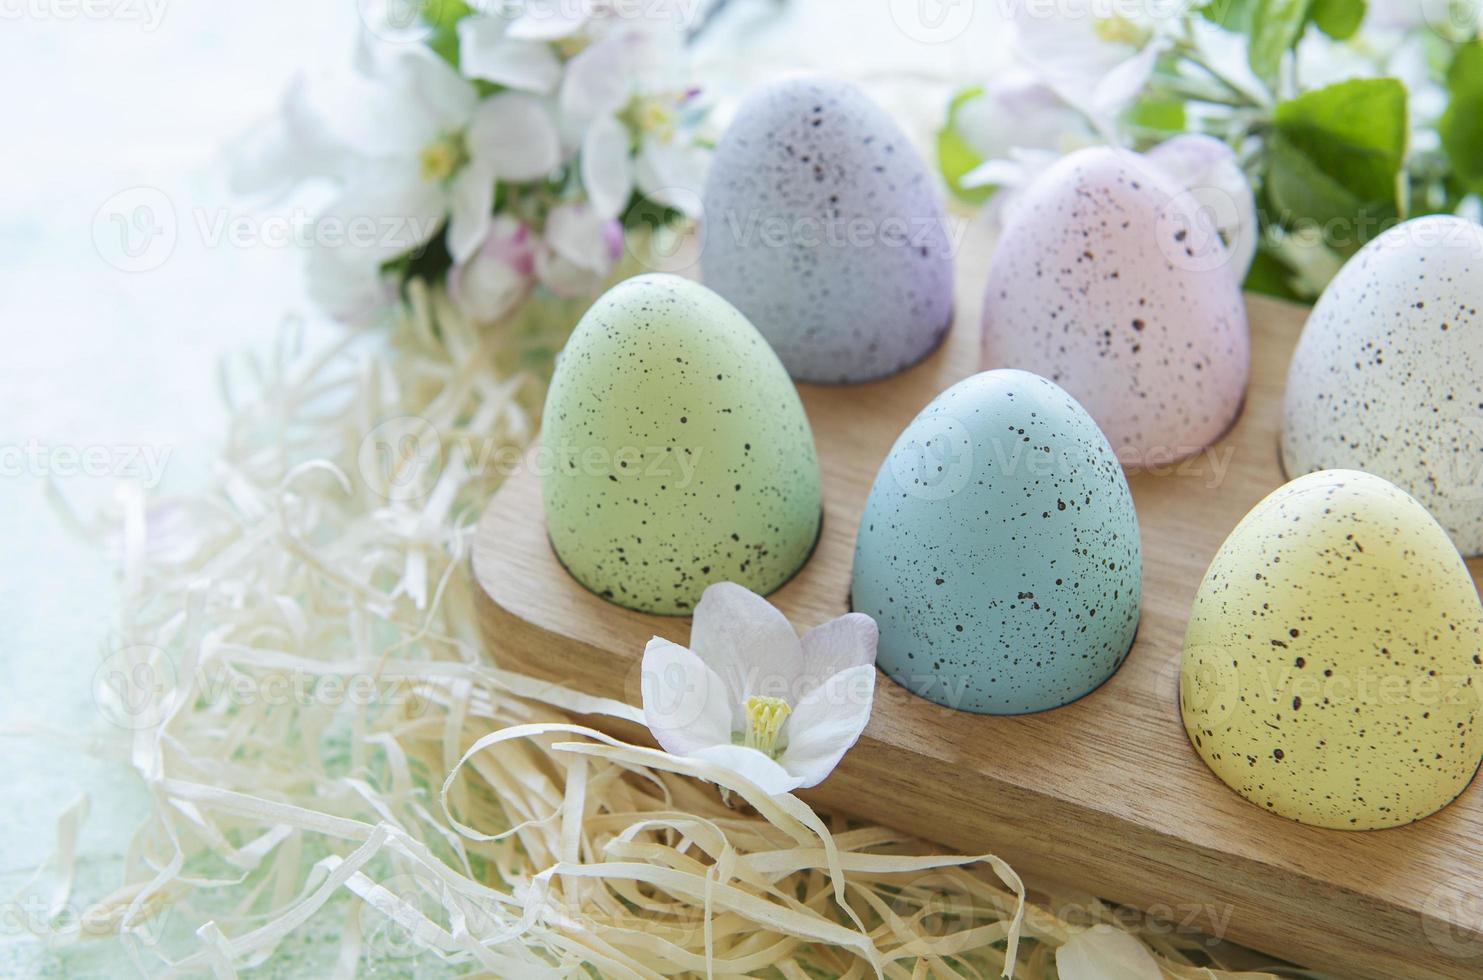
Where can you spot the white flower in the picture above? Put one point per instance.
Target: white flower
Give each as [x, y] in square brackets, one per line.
[752, 697]
[622, 102]
[1017, 112]
[579, 250]
[1097, 64]
[294, 145]
[487, 50]
[499, 275]
[430, 148]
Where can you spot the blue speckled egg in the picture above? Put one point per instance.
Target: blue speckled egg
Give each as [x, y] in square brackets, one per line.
[824, 227]
[999, 550]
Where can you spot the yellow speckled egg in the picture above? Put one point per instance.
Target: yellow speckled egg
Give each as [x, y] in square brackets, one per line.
[1332, 664]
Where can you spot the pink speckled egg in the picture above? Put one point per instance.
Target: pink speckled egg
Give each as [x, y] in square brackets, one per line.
[1110, 281]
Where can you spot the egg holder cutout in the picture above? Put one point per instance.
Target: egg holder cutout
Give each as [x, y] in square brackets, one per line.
[1107, 790]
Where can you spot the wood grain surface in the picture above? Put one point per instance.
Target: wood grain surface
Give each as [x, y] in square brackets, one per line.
[1107, 792]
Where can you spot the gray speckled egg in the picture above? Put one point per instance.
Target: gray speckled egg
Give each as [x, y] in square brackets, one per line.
[1388, 374]
[999, 550]
[823, 226]
[1332, 661]
[676, 451]
[1103, 283]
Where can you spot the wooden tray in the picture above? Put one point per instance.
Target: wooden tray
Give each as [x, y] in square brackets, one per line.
[1106, 792]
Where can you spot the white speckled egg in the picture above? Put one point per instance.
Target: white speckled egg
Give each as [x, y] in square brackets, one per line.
[1106, 282]
[824, 227]
[676, 451]
[1388, 374]
[999, 551]
[1332, 661]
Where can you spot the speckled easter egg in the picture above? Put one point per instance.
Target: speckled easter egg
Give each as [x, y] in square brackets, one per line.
[1388, 374]
[999, 550]
[675, 451]
[823, 226]
[1331, 666]
[1107, 281]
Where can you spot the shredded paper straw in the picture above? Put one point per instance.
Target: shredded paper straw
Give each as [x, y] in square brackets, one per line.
[332, 750]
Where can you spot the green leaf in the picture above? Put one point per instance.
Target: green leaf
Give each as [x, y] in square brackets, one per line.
[954, 156]
[1270, 276]
[1339, 19]
[1162, 113]
[1461, 126]
[1334, 158]
[1276, 26]
[442, 17]
[1233, 15]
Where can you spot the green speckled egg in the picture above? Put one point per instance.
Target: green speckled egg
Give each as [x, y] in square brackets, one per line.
[1332, 663]
[675, 451]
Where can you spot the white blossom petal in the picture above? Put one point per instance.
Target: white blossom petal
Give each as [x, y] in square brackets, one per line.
[1117, 89]
[471, 207]
[595, 83]
[686, 706]
[607, 172]
[838, 645]
[757, 768]
[499, 275]
[827, 723]
[673, 174]
[549, 20]
[295, 144]
[581, 248]
[515, 133]
[747, 641]
[487, 51]
[1105, 953]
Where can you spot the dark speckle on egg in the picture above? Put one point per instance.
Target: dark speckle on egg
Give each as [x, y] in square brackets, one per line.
[823, 226]
[999, 550]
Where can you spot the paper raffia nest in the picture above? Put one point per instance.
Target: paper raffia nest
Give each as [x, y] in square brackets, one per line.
[332, 752]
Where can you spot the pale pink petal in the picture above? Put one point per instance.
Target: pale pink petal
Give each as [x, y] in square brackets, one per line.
[746, 640]
[686, 705]
[607, 172]
[837, 645]
[751, 765]
[515, 133]
[826, 723]
[487, 51]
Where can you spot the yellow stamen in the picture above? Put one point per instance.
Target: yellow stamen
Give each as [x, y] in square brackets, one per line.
[657, 119]
[441, 157]
[765, 717]
[1118, 28]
